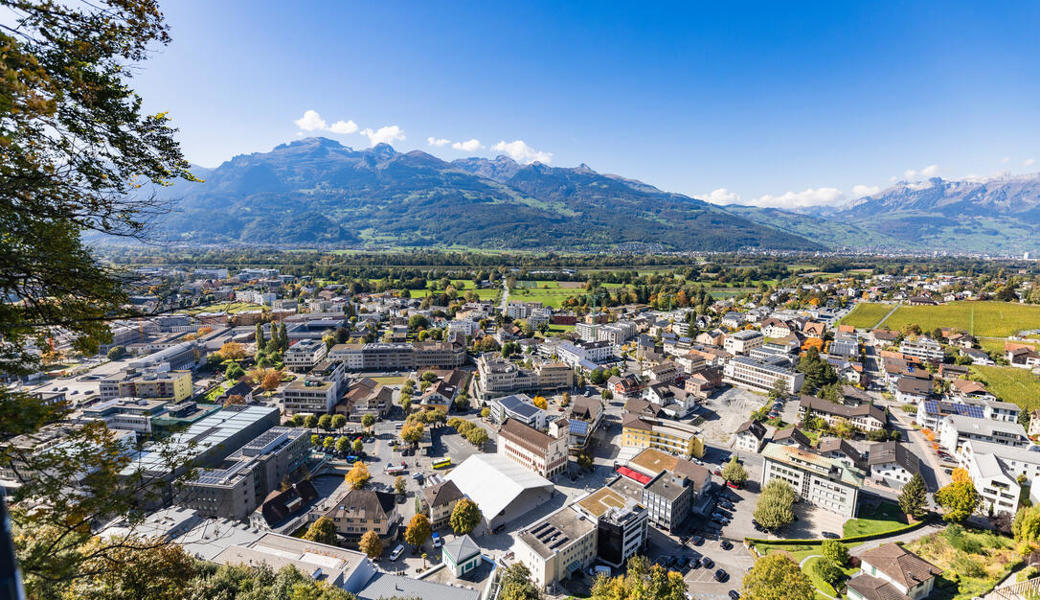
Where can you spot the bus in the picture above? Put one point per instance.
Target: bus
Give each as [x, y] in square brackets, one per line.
[442, 464]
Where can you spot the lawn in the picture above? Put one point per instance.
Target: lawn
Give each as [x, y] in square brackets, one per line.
[984, 319]
[561, 328]
[885, 517]
[973, 561]
[389, 380]
[993, 345]
[866, 315]
[1011, 384]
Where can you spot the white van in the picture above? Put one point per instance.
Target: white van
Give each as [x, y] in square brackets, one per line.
[397, 552]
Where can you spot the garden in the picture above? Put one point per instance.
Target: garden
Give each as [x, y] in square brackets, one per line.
[973, 561]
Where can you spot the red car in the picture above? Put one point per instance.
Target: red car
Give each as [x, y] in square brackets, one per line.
[733, 485]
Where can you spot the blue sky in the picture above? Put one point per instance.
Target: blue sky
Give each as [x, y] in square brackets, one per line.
[758, 103]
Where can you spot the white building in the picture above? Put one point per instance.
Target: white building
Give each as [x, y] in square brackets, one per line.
[892, 464]
[923, 348]
[557, 546]
[308, 395]
[995, 470]
[743, 342]
[821, 481]
[616, 333]
[890, 572]
[954, 430]
[761, 375]
[304, 354]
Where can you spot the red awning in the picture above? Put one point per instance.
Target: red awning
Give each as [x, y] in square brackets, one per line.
[635, 475]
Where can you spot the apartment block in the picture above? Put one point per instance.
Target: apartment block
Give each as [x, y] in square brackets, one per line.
[234, 489]
[640, 431]
[152, 383]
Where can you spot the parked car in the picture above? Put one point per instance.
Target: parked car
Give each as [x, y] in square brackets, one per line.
[438, 541]
[732, 485]
[694, 562]
[726, 545]
[697, 540]
[417, 476]
[721, 575]
[397, 552]
[734, 595]
[707, 562]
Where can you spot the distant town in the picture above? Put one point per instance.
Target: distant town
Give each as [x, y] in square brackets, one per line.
[421, 436]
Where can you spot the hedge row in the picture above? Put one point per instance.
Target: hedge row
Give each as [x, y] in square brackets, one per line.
[855, 538]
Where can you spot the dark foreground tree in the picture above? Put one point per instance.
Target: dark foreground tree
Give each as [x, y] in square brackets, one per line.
[77, 156]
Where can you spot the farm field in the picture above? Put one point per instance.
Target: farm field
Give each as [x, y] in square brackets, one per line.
[866, 315]
[986, 319]
[1011, 384]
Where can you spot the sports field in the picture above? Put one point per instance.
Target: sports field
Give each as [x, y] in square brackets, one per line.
[986, 319]
[1011, 384]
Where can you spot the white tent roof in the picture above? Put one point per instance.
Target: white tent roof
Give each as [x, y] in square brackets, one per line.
[494, 482]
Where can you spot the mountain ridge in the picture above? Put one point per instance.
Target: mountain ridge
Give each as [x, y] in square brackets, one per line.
[315, 190]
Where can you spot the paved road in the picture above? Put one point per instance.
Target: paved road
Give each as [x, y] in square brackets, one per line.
[885, 318]
[505, 296]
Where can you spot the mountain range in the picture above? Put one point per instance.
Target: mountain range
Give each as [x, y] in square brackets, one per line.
[315, 191]
[999, 215]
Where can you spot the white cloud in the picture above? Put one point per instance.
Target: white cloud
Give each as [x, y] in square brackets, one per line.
[1006, 160]
[437, 141]
[521, 152]
[310, 121]
[344, 127]
[809, 197]
[929, 171]
[468, 146]
[865, 190]
[383, 135]
[721, 196]
[1028, 162]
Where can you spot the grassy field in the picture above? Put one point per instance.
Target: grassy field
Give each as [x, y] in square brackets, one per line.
[986, 319]
[973, 561]
[885, 517]
[866, 315]
[391, 380]
[1011, 384]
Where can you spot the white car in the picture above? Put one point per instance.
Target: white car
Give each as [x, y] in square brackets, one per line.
[397, 552]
